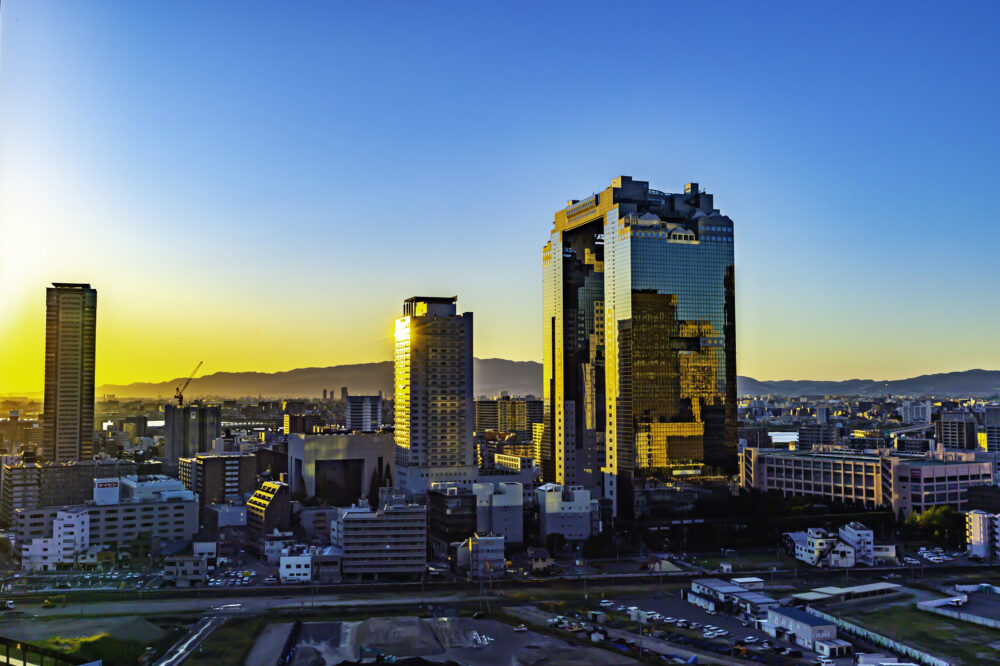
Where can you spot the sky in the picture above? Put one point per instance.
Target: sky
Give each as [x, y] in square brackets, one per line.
[260, 185]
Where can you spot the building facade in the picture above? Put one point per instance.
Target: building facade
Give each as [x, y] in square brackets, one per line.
[433, 394]
[189, 430]
[70, 337]
[219, 478]
[34, 485]
[388, 542]
[268, 509]
[363, 412]
[638, 336]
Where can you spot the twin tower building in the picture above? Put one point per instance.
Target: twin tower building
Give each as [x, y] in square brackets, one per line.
[639, 334]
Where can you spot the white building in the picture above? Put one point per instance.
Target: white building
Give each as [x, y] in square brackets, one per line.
[500, 510]
[915, 412]
[70, 538]
[567, 510]
[819, 548]
[799, 627]
[861, 539]
[482, 556]
[434, 415]
[980, 533]
[390, 541]
[295, 566]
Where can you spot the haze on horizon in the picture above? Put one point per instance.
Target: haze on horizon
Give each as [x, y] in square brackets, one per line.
[260, 187]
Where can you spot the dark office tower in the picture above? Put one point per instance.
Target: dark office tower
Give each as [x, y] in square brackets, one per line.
[324, 395]
[70, 332]
[190, 430]
[343, 393]
[640, 344]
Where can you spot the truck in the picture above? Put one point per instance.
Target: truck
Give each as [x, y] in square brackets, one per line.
[6, 604]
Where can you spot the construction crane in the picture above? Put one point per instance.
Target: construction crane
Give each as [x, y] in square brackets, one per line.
[179, 394]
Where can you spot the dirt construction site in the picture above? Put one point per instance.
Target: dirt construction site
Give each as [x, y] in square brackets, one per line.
[459, 640]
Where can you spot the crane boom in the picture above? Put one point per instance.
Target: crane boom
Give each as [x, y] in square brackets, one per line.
[179, 393]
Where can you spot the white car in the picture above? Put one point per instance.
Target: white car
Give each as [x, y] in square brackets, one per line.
[750, 639]
[607, 603]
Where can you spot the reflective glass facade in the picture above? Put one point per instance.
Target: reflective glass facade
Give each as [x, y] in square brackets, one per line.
[639, 337]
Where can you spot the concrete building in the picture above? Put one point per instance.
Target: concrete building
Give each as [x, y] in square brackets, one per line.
[433, 394]
[482, 556]
[980, 535]
[569, 511]
[906, 482]
[189, 430]
[387, 542]
[915, 411]
[70, 337]
[70, 538]
[339, 469]
[121, 511]
[302, 424]
[32, 485]
[185, 570]
[799, 627]
[295, 565]
[819, 548]
[815, 435]
[956, 430]
[500, 510]
[991, 426]
[219, 478]
[268, 509]
[363, 412]
[505, 414]
[452, 516]
[861, 539]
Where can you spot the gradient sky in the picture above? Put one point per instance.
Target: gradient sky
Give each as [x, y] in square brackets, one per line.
[260, 185]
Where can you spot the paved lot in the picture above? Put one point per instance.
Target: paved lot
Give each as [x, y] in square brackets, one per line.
[671, 605]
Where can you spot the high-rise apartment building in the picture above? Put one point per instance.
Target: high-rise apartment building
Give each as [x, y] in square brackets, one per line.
[363, 412]
[190, 429]
[956, 429]
[433, 394]
[639, 336]
[503, 413]
[70, 334]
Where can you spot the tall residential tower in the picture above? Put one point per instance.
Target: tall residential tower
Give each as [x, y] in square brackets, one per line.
[70, 334]
[640, 337]
[433, 390]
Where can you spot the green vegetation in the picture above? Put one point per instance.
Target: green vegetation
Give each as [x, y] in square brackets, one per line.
[229, 644]
[112, 651]
[943, 637]
[941, 525]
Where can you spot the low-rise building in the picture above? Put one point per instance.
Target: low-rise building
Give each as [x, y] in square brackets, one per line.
[154, 507]
[819, 548]
[268, 509]
[797, 626]
[981, 534]
[70, 539]
[567, 510]
[482, 556]
[295, 565]
[185, 570]
[387, 542]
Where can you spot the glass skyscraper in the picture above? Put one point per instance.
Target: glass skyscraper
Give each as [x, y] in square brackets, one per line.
[640, 347]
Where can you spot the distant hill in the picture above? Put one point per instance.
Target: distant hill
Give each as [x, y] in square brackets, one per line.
[965, 383]
[490, 376]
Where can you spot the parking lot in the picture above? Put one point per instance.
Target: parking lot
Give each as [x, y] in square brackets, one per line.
[94, 580]
[671, 606]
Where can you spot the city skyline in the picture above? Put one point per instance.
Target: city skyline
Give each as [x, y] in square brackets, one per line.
[137, 187]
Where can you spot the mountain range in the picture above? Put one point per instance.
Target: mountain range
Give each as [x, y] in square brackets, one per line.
[492, 375]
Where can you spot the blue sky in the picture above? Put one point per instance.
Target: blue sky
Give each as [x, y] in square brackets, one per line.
[262, 184]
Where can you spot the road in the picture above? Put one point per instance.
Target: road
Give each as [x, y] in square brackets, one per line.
[186, 645]
[240, 605]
